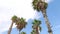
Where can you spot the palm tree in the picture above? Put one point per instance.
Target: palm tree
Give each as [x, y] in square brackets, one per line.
[36, 26]
[23, 33]
[21, 23]
[13, 21]
[39, 5]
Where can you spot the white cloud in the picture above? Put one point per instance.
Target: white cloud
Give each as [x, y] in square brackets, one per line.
[21, 8]
[37, 15]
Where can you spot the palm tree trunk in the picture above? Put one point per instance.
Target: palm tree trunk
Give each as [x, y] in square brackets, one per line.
[37, 31]
[9, 32]
[47, 22]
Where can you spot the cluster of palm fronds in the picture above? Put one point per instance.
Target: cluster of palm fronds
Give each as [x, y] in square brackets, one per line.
[36, 26]
[39, 5]
[20, 22]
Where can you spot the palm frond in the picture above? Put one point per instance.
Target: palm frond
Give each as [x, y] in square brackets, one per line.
[38, 8]
[14, 18]
[23, 33]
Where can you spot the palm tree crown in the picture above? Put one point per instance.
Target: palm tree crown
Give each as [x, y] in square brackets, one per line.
[36, 26]
[36, 23]
[21, 23]
[39, 5]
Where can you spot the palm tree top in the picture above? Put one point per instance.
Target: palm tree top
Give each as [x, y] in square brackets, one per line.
[36, 22]
[20, 20]
[21, 23]
[36, 5]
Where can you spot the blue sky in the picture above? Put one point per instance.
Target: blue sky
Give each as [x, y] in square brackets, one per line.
[10, 8]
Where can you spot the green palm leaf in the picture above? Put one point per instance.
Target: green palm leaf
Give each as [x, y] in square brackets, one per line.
[14, 18]
[36, 7]
[23, 33]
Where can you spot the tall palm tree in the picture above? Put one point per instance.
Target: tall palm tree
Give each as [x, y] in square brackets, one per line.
[23, 33]
[13, 21]
[21, 23]
[36, 26]
[39, 5]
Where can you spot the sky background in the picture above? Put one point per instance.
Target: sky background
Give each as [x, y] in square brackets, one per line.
[23, 8]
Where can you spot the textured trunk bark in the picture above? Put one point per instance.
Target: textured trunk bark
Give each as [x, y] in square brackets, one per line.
[37, 31]
[47, 22]
[9, 32]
